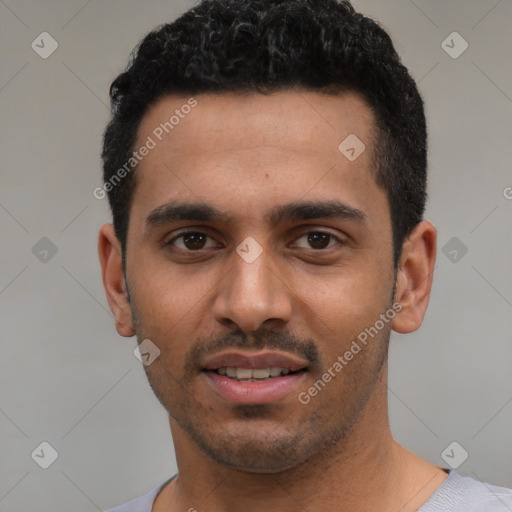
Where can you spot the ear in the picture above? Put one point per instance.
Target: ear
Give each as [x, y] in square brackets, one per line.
[109, 251]
[414, 277]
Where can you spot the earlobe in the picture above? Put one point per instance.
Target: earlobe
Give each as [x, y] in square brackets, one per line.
[110, 255]
[414, 277]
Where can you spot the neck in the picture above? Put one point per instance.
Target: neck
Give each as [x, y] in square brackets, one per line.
[367, 470]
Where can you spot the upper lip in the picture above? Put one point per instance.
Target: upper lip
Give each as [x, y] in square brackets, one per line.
[240, 359]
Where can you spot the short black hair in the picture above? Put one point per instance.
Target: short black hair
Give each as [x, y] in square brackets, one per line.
[266, 46]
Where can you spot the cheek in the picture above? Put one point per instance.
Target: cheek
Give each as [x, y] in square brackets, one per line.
[164, 294]
[347, 300]
[163, 315]
[338, 311]
[173, 307]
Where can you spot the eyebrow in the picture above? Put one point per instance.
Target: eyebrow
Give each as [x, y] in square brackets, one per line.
[300, 210]
[309, 210]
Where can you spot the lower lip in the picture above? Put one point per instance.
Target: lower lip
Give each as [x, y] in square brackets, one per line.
[253, 393]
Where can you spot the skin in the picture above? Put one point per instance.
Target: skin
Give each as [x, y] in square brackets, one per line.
[246, 154]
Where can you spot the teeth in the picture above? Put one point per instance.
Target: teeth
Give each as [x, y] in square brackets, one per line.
[252, 373]
[260, 373]
[243, 373]
[274, 371]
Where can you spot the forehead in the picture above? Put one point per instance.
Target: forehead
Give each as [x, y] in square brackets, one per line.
[286, 119]
[248, 150]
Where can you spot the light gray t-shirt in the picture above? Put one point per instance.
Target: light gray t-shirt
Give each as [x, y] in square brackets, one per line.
[456, 494]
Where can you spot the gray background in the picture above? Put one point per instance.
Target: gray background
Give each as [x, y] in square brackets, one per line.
[67, 377]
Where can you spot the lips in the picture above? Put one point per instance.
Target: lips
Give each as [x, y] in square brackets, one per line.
[253, 378]
[255, 360]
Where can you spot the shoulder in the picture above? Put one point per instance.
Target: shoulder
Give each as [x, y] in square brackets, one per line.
[141, 504]
[466, 494]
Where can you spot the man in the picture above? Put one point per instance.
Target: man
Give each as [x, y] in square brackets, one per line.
[266, 170]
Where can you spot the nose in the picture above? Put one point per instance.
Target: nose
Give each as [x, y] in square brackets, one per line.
[252, 294]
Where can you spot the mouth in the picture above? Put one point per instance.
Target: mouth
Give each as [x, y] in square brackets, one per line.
[254, 374]
[252, 379]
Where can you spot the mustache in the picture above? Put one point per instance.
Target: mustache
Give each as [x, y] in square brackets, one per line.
[260, 339]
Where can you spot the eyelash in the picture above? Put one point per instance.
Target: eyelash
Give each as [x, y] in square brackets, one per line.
[184, 234]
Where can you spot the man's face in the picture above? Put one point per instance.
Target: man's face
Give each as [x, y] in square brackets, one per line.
[301, 287]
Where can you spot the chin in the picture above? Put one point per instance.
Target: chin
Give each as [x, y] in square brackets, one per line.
[258, 448]
[253, 459]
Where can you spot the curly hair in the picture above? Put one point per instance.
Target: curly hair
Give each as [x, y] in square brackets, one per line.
[266, 46]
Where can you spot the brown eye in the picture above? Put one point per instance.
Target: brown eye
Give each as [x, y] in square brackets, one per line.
[317, 240]
[194, 241]
[190, 241]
